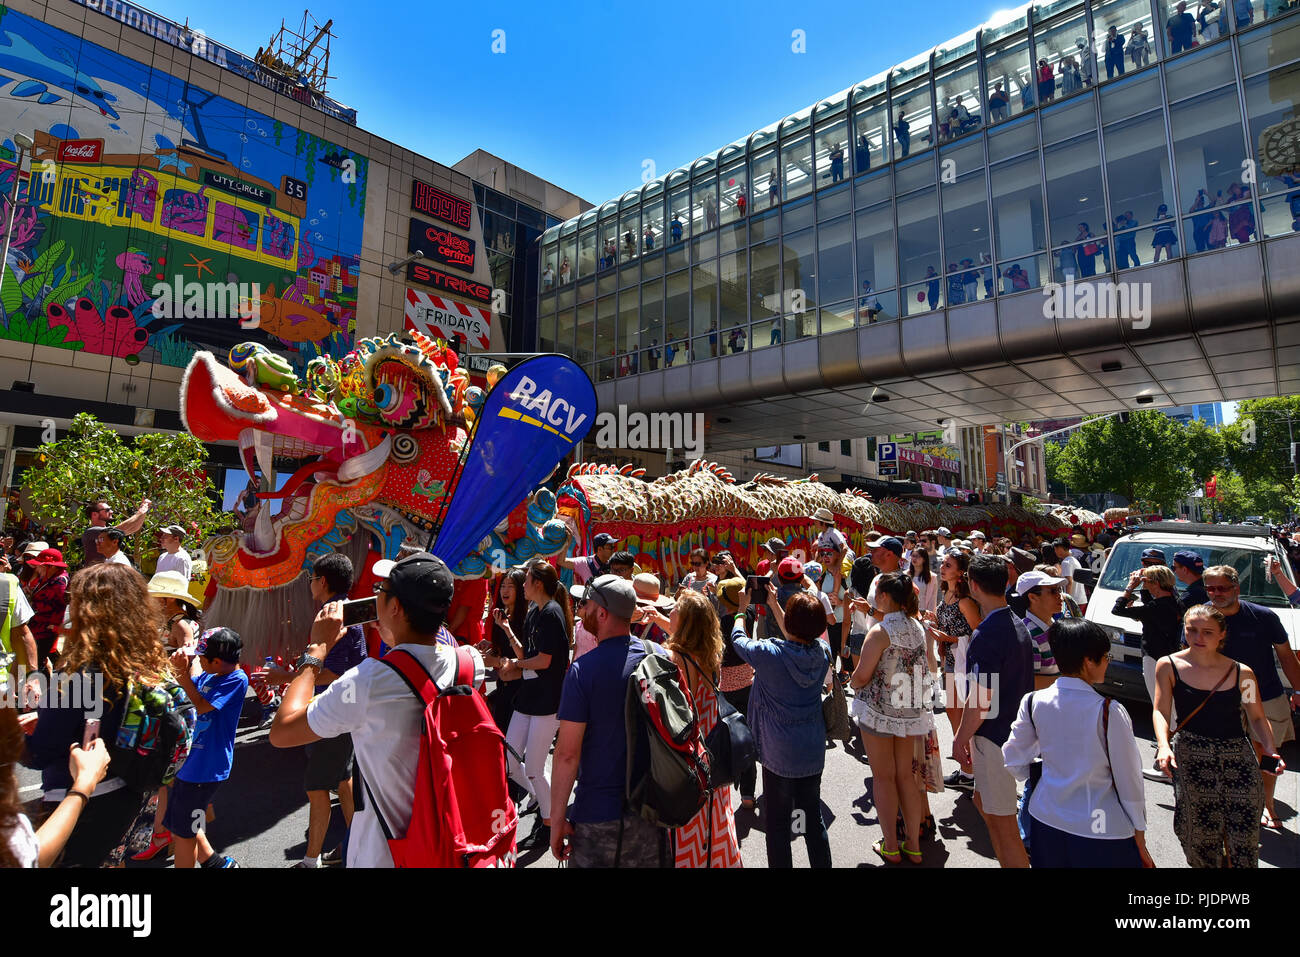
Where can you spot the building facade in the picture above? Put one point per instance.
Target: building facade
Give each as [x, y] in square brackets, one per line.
[173, 200]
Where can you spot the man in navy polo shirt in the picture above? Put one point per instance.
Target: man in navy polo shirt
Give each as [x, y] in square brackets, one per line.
[1189, 568]
[1000, 662]
[592, 744]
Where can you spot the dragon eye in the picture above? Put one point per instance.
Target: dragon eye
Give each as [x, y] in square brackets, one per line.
[385, 397]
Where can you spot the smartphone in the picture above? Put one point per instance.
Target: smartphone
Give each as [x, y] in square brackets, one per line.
[92, 732]
[361, 610]
[756, 584]
[1268, 764]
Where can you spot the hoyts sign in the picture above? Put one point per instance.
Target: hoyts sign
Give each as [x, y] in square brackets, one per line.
[434, 202]
[80, 151]
[441, 245]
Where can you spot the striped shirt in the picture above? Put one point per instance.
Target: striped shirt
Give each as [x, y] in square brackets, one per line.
[1044, 660]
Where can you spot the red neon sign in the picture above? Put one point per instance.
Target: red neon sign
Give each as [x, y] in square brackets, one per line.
[440, 205]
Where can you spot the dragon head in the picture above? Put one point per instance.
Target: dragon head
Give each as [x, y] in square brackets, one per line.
[382, 425]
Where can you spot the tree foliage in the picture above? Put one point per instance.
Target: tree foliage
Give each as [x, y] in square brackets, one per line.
[1150, 459]
[93, 460]
[1264, 465]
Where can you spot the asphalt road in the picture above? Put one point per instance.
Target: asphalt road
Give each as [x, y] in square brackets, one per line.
[261, 812]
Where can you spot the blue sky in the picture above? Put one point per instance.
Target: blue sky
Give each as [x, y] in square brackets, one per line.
[585, 93]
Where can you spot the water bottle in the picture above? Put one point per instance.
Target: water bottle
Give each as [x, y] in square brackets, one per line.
[264, 693]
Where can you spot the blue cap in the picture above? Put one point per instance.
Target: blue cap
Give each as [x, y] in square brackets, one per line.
[891, 543]
[1190, 560]
[1155, 554]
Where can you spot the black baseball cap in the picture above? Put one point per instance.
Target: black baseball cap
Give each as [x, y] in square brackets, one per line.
[420, 581]
[1154, 555]
[1190, 560]
[776, 546]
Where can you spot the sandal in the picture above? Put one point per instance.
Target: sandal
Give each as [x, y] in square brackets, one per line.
[913, 857]
[889, 857]
[929, 830]
[158, 843]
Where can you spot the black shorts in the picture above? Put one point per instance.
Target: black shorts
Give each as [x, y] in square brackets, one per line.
[186, 807]
[329, 761]
[856, 641]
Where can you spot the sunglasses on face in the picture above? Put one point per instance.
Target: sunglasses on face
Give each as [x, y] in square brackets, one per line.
[1219, 588]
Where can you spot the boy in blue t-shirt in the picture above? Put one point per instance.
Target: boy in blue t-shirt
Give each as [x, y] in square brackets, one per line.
[216, 686]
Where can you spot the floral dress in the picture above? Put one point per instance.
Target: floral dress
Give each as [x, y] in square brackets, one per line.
[898, 699]
[692, 839]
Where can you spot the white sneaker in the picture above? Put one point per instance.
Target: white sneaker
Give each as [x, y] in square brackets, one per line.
[1152, 774]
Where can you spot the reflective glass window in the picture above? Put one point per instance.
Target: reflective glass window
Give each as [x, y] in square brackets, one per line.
[966, 229]
[584, 352]
[1132, 97]
[1065, 120]
[587, 251]
[799, 262]
[1203, 70]
[733, 272]
[1210, 157]
[1013, 139]
[918, 238]
[958, 101]
[677, 306]
[914, 173]
[835, 260]
[797, 165]
[1018, 223]
[834, 202]
[873, 189]
[629, 238]
[704, 309]
[679, 215]
[549, 267]
[1271, 47]
[872, 134]
[652, 316]
[734, 193]
[1122, 29]
[1066, 64]
[1270, 99]
[1075, 205]
[797, 214]
[1137, 171]
[765, 174]
[652, 223]
[912, 118]
[607, 243]
[704, 203]
[1009, 79]
[564, 338]
[877, 260]
[629, 323]
[568, 256]
[765, 279]
[606, 341]
[832, 151]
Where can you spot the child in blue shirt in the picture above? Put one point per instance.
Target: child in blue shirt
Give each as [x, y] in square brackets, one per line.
[216, 685]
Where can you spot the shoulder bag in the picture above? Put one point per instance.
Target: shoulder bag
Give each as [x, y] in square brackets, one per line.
[835, 710]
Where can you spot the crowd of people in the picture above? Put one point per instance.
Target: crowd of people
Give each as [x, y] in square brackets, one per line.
[984, 630]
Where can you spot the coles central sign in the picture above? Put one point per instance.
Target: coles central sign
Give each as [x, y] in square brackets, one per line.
[432, 201]
[440, 245]
[441, 318]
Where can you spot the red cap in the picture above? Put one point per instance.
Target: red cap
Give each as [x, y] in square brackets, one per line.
[51, 556]
[790, 569]
[763, 566]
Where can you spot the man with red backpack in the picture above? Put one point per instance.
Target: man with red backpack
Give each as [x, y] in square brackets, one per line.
[394, 708]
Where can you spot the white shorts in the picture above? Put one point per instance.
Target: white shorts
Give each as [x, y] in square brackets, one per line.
[995, 785]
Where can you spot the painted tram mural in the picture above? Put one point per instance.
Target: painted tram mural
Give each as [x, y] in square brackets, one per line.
[141, 180]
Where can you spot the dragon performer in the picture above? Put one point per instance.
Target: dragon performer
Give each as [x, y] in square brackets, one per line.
[702, 506]
[372, 443]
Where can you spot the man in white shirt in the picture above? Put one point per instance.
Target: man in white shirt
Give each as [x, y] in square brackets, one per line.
[944, 534]
[372, 701]
[1070, 565]
[174, 558]
[109, 544]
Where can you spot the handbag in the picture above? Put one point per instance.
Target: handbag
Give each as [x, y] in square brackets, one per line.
[835, 710]
[730, 743]
[1091, 249]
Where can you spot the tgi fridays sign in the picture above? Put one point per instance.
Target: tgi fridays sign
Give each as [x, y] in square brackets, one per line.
[441, 318]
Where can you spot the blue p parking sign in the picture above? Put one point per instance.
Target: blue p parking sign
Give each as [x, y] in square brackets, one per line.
[887, 459]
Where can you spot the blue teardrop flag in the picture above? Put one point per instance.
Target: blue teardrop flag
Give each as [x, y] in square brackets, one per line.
[535, 416]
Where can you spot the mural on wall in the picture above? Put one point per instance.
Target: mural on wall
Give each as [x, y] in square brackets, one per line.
[156, 218]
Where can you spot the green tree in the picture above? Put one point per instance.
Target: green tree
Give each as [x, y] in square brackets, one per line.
[93, 460]
[1150, 459]
[1265, 464]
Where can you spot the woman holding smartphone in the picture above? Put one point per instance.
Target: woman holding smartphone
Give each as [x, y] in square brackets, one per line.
[509, 612]
[1218, 793]
[951, 624]
[542, 656]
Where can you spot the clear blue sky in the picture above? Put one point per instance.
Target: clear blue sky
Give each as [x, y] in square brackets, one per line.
[587, 91]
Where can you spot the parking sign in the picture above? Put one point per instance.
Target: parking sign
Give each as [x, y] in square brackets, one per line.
[886, 459]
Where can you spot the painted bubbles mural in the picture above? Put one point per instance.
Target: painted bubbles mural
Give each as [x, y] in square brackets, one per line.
[159, 218]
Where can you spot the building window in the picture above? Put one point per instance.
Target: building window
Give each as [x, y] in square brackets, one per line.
[846, 447]
[823, 446]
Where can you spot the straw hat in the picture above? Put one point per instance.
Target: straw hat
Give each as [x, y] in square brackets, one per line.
[172, 585]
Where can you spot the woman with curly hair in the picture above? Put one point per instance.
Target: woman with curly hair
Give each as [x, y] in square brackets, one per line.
[695, 644]
[112, 640]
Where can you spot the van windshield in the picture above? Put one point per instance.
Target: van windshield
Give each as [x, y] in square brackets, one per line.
[1126, 557]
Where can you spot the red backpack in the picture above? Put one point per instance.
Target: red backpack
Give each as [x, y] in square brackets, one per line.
[462, 815]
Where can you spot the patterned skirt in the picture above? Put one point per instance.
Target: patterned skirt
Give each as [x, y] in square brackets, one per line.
[1218, 800]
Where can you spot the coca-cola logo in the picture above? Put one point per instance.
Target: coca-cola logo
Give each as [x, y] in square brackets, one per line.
[81, 151]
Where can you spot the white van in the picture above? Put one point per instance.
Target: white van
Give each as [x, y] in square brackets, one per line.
[1245, 547]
